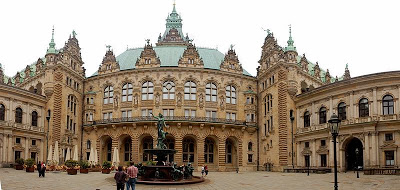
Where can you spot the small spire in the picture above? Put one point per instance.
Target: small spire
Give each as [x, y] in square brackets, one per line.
[52, 45]
[290, 42]
[174, 10]
[108, 47]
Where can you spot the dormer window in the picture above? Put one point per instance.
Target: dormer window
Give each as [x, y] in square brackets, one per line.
[191, 61]
[147, 61]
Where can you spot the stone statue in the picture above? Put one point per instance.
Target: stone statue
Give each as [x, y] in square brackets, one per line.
[116, 101]
[161, 133]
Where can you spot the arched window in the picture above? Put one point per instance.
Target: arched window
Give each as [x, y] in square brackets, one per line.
[388, 105]
[170, 143]
[342, 111]
[127, 150]
[147, 144]
[127, 90]
[363, 108]
[306, 119]
[34, 118]
[209, 151]
[188, 150]
[190, 90]
[269, 102]
[108, 95]
[322, 115]
[88, 144]
[250, 146]
[168, 90]
[230, 94]
[18, 115]
[228, 151]
[147, 90]
[2, 112]
[211, 92]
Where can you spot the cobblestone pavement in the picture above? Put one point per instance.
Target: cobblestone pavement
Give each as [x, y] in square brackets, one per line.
[13, 179]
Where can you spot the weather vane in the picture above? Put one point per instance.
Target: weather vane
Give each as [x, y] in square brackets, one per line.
[148, 41]
[109, 47]
[267, 30]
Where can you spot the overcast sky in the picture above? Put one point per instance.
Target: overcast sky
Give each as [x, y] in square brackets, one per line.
[364, 34]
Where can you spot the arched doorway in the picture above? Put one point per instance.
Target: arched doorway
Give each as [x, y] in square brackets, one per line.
[106, 149]
[146, 143]
[125, 150]
[189, 150]
[352, 158]
[231, 154]
[170, 143]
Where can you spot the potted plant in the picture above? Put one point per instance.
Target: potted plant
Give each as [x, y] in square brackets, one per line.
[106, 167]
[29, 165]
[71, 170]
[83, 167]
[19, 164]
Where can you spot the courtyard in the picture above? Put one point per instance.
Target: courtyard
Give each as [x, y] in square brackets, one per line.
[13, 179]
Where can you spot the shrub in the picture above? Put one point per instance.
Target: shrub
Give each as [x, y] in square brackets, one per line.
[19, 161]
[84, 164]
[151, 163]
[106, 165]
[29, 162]
[71, 163]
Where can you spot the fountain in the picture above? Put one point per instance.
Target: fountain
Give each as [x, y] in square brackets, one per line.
[162, 173]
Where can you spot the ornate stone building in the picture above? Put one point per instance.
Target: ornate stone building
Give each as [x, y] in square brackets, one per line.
[217, 114]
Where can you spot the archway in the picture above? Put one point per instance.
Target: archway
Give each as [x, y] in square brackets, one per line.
[125, 150]
[170, 143]
[352, 159]
[146, 143]
[231, 153]
[106, 149]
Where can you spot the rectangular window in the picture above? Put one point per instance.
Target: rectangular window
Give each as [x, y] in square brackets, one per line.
[17, 140]
[87, 155]
[33, 142]
[168, 112]
[211, 114]
[17, 154]
[126, 113]
[307, 160]
[91, 101]
[323, 160]
[307, 144]
[190, 113]
[107, 115]
[250, 158]
[269, 126]
[389, 157]
[147, 112]
[90, 116]
[87, 100]
[323, 143]
[272, 123]
[388, 136]
[230, 116]
[265, 128]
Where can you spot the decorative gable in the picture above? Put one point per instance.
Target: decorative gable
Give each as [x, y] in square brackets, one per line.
[27, 72]
[191, 57]
[148, 57]
[109, 63]
[304, 63]
[231, 62]
[271, 53]
[39, 65]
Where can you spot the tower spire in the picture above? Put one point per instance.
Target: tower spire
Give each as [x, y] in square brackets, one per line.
[173, 9]
[52, 45]
[290, 42]
[173, 30]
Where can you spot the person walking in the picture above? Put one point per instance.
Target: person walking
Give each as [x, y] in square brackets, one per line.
[206, 169]
[43, 168]
[120, 178]
[132, 173]
[202, 171]
[39, 168]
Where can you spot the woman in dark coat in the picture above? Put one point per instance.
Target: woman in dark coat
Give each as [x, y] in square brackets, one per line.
[39, 168]
[120, 178]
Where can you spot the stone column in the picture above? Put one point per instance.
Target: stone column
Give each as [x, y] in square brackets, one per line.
[200, 152]
[221, 154]
[314, 154]
[313, 115]
[297, 119]
[366, 150]
[375, 106]
[298, 156]
[135, 149]
[10, 149]
[331, 159]
[26, 147]
[396, 108]
[351, 106]
[42, 152]
[114, 144]
[5, 143]
[374, 151]
[330, 112]
[178, 148]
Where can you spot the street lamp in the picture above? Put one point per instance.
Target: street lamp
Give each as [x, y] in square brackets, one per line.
[48, 128]
[334, 123]
[357, 154]
[291, 122]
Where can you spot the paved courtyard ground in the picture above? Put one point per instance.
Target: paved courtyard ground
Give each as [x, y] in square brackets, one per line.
[20, 180]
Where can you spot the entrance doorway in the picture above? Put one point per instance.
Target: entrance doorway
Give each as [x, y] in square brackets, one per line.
[354, 159]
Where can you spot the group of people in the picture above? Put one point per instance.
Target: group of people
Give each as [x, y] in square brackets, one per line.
[41, 168]
[204, 170]
[129, 177]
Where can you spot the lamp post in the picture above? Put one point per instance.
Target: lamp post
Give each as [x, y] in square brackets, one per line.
[357, 154]
[334, 123]
[48, 128]
[291, 122]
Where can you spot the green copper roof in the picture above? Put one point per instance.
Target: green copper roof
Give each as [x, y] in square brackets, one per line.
[169, 57]
[290, 42]
[174, 20]
[52, 45]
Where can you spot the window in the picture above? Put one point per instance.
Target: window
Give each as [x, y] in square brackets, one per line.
[168, 112]
[191, 61]
[190, 113]
[388, 105]
[91, 101]
[306, 119]
[307, 145]
[147, 112]
[272, 123]
[169, 90]
[127, 90]
[147, 144]
[250, 157]
[228, 151]
[209, 151]
[230, 94]
[108, 95]
[34, 118]
[72, 103]
[33, 142]
[188, 150]
[211, 92]
[307, 160]
[265, 106]
[89, 117]
[323, 160]
[107, 115]
[250, 117]
[250, 146]
[231, 116]
[17, 154]
[127, 151]
[389, 156]
[88, 144]
[388, 136]
[269, 102]
[126, 113]
[322, 115]
[211, 114]
[147, 61]
[190, 90]
[17, 140]
[18, 115]
[363, 108]
[265, 129]
[342, 111]
[2, 112]
[323, 143]
[109, 150]
[147, 90]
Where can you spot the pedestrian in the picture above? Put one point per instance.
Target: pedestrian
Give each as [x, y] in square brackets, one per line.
[132, 173]
[202, 171]
[43, 166]
[39, 168]
[120, 178]
[206, 169]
